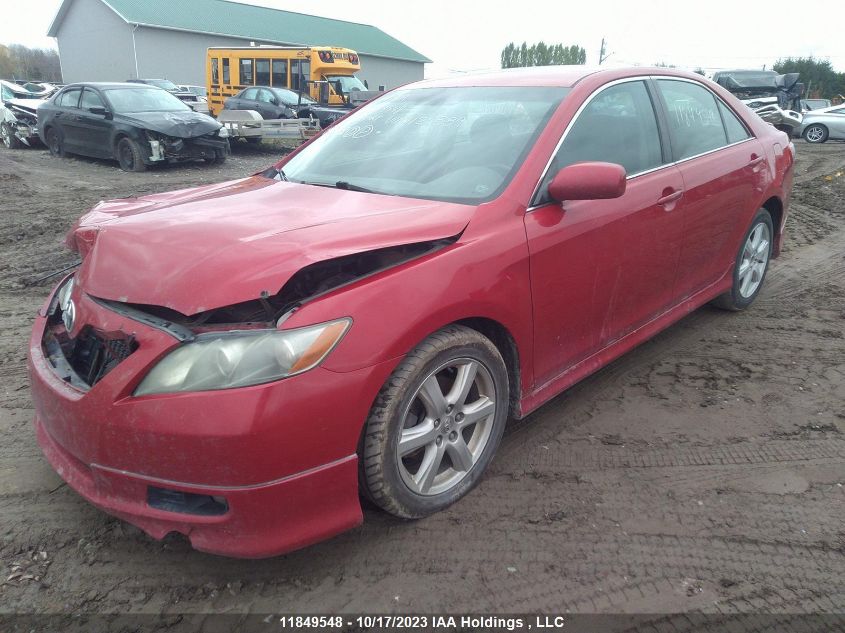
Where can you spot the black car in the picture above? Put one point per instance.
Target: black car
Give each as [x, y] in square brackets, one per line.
[281, 103]
[136, 124]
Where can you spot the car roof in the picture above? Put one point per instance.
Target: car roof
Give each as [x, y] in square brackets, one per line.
[104, 85]
[548, 76]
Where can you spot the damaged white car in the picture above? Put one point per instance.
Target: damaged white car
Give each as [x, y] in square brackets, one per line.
[18, 121]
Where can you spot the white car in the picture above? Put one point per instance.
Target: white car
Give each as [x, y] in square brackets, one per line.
[18, 121]
[820, 125]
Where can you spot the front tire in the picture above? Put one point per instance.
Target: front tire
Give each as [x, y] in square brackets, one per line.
[815, 133]
[435, 424]
[752, 263]
[129, 155]
[218, 159]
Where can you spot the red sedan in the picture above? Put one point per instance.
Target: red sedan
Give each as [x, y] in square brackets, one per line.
[238, 362]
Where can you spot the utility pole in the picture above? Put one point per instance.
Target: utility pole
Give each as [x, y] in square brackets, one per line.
[603, 52]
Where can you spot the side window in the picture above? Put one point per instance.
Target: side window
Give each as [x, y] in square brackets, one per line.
[226, 74]
[694, 121]
[280, 73]
[733, 126]
[246, 73]
[265, 96]
[90, 99]
[215, 74]
[617, 126]
[250, 94]
[69, 98]
[262, 72]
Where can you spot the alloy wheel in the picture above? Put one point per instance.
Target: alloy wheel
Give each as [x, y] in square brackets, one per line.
[447, 425]
[815, 134]
[755, 258]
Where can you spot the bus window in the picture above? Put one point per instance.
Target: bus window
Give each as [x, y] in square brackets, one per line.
[246, 73]
[280, 73]
[226, 70]
[262, 72]
[214, 71]
[300, 69]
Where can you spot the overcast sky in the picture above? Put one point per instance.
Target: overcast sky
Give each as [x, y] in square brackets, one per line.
[461, 35]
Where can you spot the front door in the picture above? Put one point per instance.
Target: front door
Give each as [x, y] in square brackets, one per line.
[602, 268]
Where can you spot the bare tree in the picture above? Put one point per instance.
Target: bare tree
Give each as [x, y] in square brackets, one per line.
[35, 64]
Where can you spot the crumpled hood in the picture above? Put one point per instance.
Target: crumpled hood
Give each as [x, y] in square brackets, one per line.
[29, 105]
[213, 246]
[183, 124]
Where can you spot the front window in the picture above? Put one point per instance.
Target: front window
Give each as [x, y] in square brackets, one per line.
[348, 83]
[128, 100]
[453, 144]
[291, 98]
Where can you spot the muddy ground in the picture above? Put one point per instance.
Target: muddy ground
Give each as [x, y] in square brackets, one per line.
[704, 471]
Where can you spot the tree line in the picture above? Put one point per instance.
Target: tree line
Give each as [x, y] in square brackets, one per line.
[35, 64]
[817, 75]
[542, 54]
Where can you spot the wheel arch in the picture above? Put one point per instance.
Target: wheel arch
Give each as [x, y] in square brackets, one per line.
[504, 341]
[774, 206]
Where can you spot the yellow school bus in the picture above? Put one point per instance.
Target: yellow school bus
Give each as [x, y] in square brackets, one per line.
[325, 73]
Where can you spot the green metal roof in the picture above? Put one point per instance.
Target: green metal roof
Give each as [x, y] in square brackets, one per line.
[259, 24]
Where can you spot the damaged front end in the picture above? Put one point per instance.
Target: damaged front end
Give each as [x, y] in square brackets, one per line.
[19, 122]
[774, 98]
[175, 149]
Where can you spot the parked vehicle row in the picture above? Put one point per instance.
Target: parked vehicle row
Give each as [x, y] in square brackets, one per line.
[239, 362]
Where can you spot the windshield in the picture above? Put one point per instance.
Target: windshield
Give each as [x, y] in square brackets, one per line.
[347, 83]
[290, 97]
[126, 100]
[163, 83]
[453, 144]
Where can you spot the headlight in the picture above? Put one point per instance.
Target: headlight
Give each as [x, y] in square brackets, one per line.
[223, 132]
[242, 358]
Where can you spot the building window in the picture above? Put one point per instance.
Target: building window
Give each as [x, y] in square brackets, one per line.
[262, 72]
[226, 79]
[246, 73]
[280, 73]
[215, 79]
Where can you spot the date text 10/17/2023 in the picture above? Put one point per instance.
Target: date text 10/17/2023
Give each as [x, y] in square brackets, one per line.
[429, 622]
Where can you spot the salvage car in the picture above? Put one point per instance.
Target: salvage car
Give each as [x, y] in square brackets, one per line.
[281, 103]
[135, 124]
[18, 120]
[238, 362]
[819, 126]
[775, 98]
[814, 104]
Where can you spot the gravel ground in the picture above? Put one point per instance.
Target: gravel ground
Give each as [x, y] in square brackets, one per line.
[703, 472]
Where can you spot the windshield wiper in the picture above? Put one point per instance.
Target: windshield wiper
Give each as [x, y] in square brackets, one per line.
[348, 186]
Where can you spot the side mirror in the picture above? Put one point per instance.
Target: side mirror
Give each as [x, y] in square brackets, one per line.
[99, 110]
[588, 181]
[274, 101]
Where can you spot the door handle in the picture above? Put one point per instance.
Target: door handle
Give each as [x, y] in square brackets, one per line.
[670, 198]
[755, 160]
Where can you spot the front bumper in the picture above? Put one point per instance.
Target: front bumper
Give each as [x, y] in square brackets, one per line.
[282, 455]
[201, 147]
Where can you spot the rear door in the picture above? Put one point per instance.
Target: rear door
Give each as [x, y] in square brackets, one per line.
[602, 268]
[837, 122]
[67, 109]
[721, 164]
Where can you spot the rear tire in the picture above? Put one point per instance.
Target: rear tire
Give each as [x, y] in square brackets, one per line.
[54, 142]
[129, 155]
[751, 265]
[435, 424]
[816, 133]
[9, 139]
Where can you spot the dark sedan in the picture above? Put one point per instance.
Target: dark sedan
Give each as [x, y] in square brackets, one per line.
[136, 124]
[281, 103]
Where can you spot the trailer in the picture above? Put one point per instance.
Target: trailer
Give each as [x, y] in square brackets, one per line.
[250, 125]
